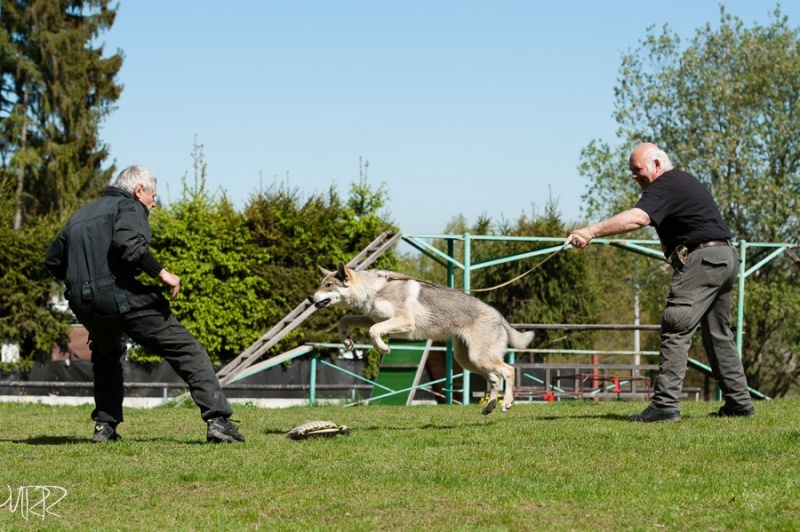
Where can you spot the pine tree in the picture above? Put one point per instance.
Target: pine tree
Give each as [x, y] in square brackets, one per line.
[56, 88]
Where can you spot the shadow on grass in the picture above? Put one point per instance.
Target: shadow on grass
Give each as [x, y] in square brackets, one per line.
[71, 440]
[561, 417]
[610, 417]
[50, 440]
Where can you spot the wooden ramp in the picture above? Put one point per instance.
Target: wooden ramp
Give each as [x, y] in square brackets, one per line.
[249, 356]
[273, 361]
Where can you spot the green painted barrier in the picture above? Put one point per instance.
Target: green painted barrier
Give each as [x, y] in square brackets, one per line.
[398, 371]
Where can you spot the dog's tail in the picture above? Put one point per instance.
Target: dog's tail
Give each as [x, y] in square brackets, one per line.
[516, 339]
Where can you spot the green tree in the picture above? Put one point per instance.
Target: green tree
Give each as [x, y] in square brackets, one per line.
[302, 233]
[26, 287]
[726, 108]
[242, 272]
[205, 241]
[557, 290]
[55, 89]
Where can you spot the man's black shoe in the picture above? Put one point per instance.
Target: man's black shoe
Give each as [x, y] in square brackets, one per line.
[221, 430]
[729, 411]
[653, 414]
[104, 432]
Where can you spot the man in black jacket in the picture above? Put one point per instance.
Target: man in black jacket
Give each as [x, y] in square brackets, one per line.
[98, 255]
[696, 241]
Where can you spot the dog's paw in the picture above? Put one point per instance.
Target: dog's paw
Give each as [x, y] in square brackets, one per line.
[506, 407]
[348, 344]
[489, 408]
[383, 349]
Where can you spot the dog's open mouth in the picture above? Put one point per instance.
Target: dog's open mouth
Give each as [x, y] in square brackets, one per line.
[323, 303]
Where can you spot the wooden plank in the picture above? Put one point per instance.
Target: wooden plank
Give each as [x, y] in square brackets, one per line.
[272, 362]
[420, 371]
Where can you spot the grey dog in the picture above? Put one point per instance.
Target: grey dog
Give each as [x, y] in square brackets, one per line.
[394, 304]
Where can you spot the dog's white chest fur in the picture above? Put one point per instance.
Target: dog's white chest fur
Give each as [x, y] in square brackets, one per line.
[385, 308]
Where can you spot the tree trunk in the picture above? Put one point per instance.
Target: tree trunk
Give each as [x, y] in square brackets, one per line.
[21, 169]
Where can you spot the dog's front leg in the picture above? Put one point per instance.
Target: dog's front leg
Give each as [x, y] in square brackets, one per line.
[362, 322]
[398, 324]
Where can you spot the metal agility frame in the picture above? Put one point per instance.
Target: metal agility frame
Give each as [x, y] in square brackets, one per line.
[763, 253]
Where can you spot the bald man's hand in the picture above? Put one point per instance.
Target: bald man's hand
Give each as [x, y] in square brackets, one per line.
[578, 239]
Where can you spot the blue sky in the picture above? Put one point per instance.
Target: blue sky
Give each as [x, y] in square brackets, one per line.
[460, 107]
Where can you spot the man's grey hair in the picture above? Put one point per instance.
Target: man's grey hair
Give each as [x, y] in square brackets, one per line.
[654, 153]
[135, 175]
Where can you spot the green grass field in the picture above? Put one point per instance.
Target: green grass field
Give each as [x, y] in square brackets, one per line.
[560, 466]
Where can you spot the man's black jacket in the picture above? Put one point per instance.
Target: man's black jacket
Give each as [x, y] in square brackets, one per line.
[104, 245]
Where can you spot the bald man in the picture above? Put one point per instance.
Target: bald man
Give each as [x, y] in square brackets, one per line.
[696, 241]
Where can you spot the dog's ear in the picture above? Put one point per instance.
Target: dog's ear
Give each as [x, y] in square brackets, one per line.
[344, 274]
[325, 272]
[341, 272]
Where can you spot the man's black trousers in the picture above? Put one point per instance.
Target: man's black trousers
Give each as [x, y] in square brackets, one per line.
[158, 330]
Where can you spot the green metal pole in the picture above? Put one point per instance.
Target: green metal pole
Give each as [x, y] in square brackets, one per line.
[312, 396]
[448, 354]
[739, 305]
[740, 299]
[467, 281]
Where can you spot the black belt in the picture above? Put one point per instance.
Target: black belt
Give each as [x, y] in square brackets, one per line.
[710, 244]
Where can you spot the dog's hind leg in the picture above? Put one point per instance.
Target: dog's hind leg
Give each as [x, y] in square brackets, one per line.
[494, 386]
[462, 356]
[508, 393]
[504, 373]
